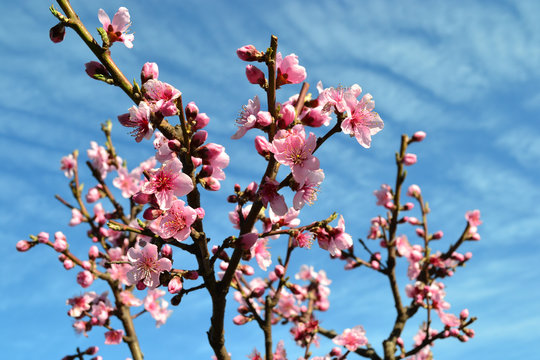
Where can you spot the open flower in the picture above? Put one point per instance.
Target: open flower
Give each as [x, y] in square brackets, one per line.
[116, 30]
[146, 266]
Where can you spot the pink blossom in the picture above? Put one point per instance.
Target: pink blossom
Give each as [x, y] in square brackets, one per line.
[99, 214]
[260, 252]
[68, 164]
[93, 195]
[43, 237]
[307, 193]
[60, 242]
[288, 70]
[117, 30]
[68, 264]
[287, 114]
[336, 239]
[418, 136]
[129, 183]
[269, 194]
[139, 119]
[303, 240]
[448, 319]
[248, 117]
[99, 158]
[114, 337]
[167, 182]
[361, 121]
[79, 304]
[263, 147]
[291, 148]
[76, 217]
[473, 217]
[176, 222]
[157, 307]
[85, 278]
[119, 272]
[280, 353]
[100, 311]
[352, 339]
[146, 266]
[96, 70]
[129, 299]
[161, 97]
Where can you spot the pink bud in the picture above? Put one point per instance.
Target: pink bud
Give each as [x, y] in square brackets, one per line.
[200, 213]
[262, 146]
[191, 111]
[201, 121]
[60, 245]
[272, 276]
[264, 118]
[248, 53]
[23, 245]
[399, 341]
[390, 205]
[280, 270]
[463, 338]
[408, 206]
[149, 71]
[57, 33]
[210, 183]
[68, 264]
[93, 252]
[94, 68]
[475, 237]
[85, 278]
[43, 237]
[151, 213]
[196, 161]
[166, 251]
[438, 235]
[248, 270]
[174, 145]
[420, 232]
[175, 285]
[258, 291]
[223, 265]
[86, 265]
[335, 352]
[93, 195]
[470, 332]
[464, 314]
[198, 138]
[413, 221]
[92, 350]
[419, 136]
[240, 320]
[468, 255]
[255, 75]
[409, 159]
[375, 264]
[414, 191]
[288, 113]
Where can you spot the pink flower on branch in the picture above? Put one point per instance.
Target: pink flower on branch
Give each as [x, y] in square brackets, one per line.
[291, 148]
[117, 29]
[176, 222]
[114, 337]
[361, 121]
[335, 239]
[352, 339]
[161, 96]
[288, 70]
[68, 164]
[168, 182]
[146, 266]
[139, 119]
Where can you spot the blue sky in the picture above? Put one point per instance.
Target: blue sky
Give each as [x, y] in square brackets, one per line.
[466, 72]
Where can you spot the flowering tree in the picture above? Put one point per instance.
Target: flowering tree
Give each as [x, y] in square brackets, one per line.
[132, 244]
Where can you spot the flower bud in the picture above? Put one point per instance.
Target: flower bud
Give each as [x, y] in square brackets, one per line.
[200, 213]
[248, 53]
[141, 286]
[419, 136]
[414, 191]
[191, 111]
[94, 68]
[93, 195]
[288, 113]
[336, 351]
[85, 278]
[206, 171]
[264, 118]
[201, 121]
[43, 237]
[92, 350]
[23, 245]
[191, 275]
[151, 213]
[438, 235]
[93, 252]
[280, 270]
[240, 320]
[149, 71]
[198, 139]
[166, 251]
[57, 33]
[255, 75]
[68, 264]
[60, 245]
[409, 159]
[464, 314]
[262, 146]
[248, 270]
[175, 285]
